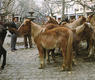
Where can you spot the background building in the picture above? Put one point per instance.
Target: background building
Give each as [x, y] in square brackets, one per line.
[73, 8]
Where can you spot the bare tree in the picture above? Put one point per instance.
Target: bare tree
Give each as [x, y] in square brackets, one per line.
[81, 2]
[51, 7]
[7, 5]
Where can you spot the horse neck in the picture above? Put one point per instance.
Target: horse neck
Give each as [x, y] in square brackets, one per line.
[36, 29]
[80, 29]
[76, 23]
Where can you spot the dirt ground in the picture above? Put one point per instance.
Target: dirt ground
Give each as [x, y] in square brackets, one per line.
[23, 65]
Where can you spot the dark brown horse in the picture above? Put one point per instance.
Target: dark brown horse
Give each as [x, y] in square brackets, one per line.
[2, 50]
[91, 20]
[84, 32]
[57, 37]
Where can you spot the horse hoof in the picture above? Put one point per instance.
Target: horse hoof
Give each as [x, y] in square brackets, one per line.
[48, 63]
[66, 69]
[26, 47]
[55, 61]
[40, 68]
[2, 67]
[62, 69]
[31, 47]
[87, 58]
[74, 63]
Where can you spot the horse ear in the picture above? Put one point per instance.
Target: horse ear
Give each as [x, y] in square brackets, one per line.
[48, 17]
[84, 19]
[73, 30]
[30, 19]
[91, 15]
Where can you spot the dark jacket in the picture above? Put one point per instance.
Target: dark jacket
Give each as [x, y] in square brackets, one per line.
[13, 25]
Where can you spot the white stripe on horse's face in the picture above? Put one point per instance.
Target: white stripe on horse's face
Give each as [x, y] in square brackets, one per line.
[24, 22]
[89, 25]
[21, 25]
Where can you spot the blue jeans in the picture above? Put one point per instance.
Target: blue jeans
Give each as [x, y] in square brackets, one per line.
[13, 41]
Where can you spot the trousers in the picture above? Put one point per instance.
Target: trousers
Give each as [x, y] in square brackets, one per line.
[13, 41]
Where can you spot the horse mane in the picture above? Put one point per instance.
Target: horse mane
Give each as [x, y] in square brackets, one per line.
[34, 24]
[37, 29]
[90, 16]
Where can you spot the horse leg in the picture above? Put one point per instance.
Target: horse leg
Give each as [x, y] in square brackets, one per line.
[30, 40]
[41, 55]
[76, 47]
[47, 56]
[53, 55]
[90, 49]
[0, 55]
[64, 59]
[25, 41]
[4, 57]
[87, 44]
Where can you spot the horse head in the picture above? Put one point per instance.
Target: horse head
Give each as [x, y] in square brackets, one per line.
[91, 19]
[25, 27]
[83, 19]
[51, 20]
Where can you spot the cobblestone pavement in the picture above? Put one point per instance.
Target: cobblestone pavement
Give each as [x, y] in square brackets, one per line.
[23, 65]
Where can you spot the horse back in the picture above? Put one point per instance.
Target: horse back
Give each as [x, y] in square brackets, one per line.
[53, 38]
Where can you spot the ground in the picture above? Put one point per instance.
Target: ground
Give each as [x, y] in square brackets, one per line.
[23, 65]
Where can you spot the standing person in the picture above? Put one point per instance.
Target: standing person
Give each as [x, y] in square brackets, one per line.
[59, 20]
[13, 34]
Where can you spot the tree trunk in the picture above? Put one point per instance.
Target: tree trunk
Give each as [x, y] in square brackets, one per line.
[63, 9]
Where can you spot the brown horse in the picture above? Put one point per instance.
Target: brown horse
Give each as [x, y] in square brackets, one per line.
[50, 24]
[91, 20]
[26, 34]
[57, 37]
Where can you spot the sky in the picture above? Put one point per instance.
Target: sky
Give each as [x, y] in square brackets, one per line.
[39, 2]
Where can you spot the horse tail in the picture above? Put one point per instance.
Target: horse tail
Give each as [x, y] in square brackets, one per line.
[69, 54]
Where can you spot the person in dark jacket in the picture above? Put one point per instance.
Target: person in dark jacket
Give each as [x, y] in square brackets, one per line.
[13, 34]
